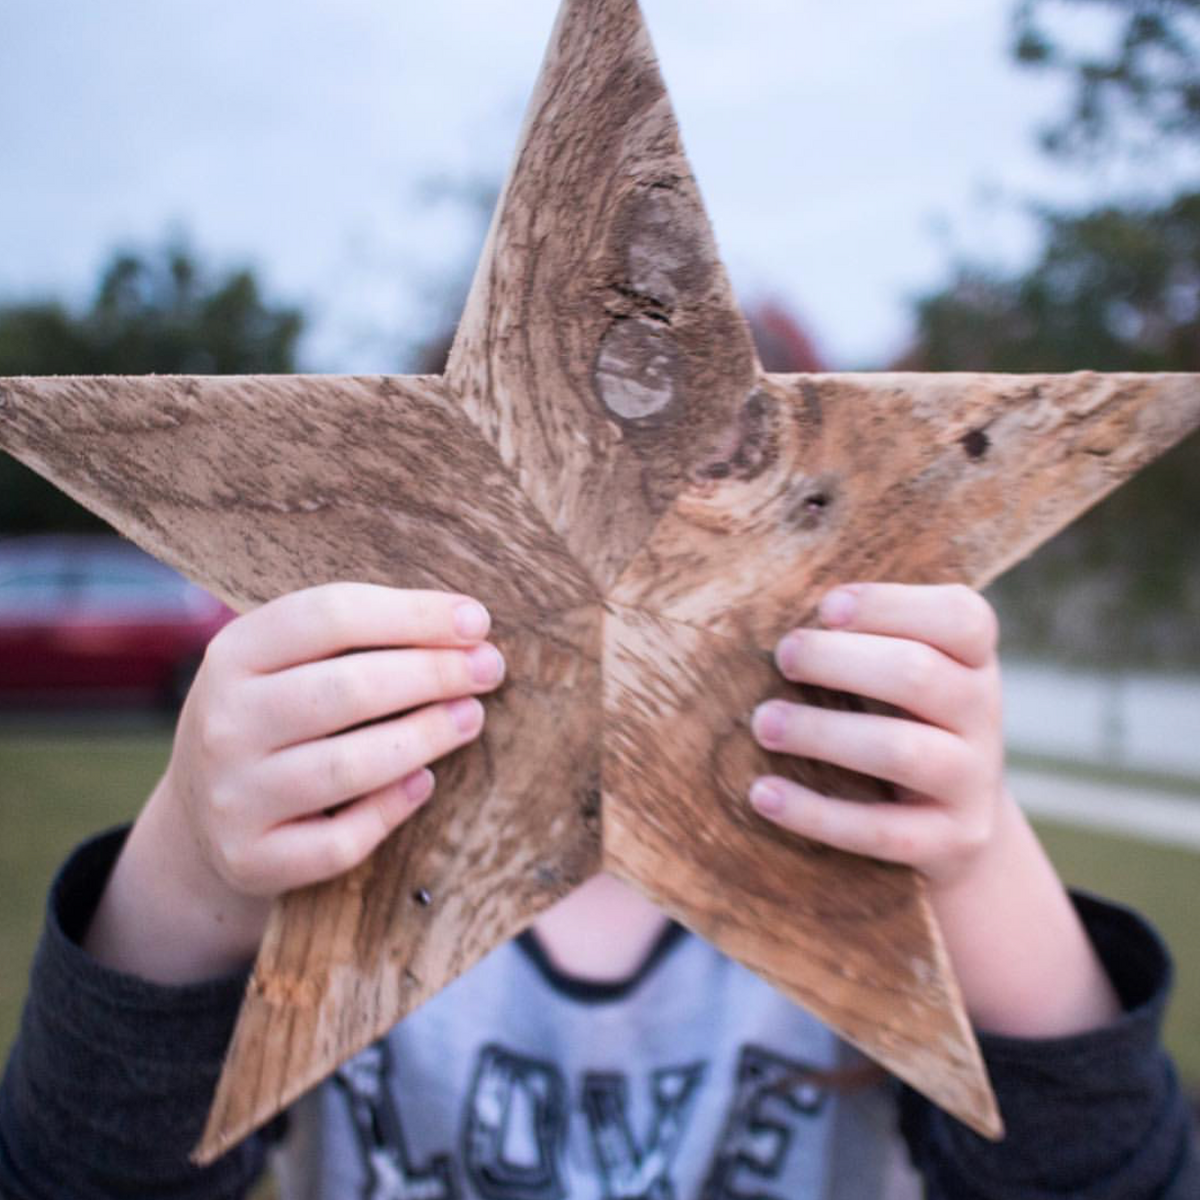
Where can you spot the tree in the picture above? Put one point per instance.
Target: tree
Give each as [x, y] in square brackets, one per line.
[1141, 88]
[151, 313]
[1116, 288]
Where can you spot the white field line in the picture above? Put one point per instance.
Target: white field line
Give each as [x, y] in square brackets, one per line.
[1146, 814]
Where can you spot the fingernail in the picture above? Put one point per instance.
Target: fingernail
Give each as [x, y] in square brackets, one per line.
[766, 798]
[769, 722]
[838, 607]
[471, 620]
[788, 654]
[467, 715]
[418, 787]
[486, 664]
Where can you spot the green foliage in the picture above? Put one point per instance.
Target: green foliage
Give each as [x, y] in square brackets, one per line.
[1114, 289]
[1117, 289]
[155, 313]
[1141, 88]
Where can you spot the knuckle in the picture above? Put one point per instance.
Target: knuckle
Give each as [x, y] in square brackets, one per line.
[974, 833]
[813, 822]
[340, 770]
[891, 844]
[950, 771]
[918, 669]
[962, 597]
[222, 802]
[427, 609]
[218, 733]
[235, 864]
[876, 840]
[980, 624]
[382, 826]
[344, 689]
[449, 673]
[903, 756]
[342, 850]
[220, 655]
[332, 609]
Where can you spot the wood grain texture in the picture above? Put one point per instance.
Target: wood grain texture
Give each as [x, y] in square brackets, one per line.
[645, 512]
[255, 486]
[511, 832]
[601, 345]
[852, 940]
[914, 478]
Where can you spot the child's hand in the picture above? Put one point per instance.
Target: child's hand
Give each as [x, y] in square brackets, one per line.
[930, 651]
[275, 781]
[1020, 952]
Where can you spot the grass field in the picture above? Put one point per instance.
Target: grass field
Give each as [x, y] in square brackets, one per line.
[55, 788]
[1161, 883]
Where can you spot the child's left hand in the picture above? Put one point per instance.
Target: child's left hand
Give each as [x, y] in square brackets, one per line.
[1022, 957]
[931, 651]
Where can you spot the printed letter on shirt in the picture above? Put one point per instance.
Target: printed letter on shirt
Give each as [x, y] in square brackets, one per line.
[515, 1121]
[627, 1172]
[364, 1081]
[773, 1094]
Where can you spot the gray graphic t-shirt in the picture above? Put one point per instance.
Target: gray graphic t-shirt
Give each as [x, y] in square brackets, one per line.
[692, 1079]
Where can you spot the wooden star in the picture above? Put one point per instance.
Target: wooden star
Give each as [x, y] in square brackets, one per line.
[645, 511]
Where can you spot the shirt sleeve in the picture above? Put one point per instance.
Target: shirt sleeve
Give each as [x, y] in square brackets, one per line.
[109, 1081]
[1095, 1116]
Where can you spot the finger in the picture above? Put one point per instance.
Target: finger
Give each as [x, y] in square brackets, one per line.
[893, 832]
[333, 618]
[317, 848]
[898, 671]
[322, 698]
[315, 776]
[950, 617]
[916, 756]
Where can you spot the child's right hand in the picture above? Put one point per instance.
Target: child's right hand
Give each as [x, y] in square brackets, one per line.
[275, 782]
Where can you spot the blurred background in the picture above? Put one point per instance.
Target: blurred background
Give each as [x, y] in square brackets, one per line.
[1009, 185]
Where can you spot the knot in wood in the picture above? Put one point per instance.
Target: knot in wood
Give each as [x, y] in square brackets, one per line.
[811, 503]
[636, 368]
[662, 258]
[748, 446]
[975, 443]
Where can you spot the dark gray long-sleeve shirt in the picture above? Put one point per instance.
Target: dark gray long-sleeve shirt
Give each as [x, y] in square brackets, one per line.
[518, 1083]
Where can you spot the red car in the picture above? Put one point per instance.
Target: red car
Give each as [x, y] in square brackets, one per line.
[90, 617]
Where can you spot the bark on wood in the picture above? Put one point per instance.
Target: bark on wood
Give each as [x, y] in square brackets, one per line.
[645, 513]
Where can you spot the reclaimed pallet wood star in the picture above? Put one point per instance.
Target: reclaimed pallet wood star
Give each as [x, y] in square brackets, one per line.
[645, 511]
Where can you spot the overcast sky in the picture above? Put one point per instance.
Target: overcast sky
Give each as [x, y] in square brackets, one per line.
[843, 149]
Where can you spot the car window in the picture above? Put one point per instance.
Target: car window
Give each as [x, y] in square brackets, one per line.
[129, 593]
[60, 580]
[30, 592]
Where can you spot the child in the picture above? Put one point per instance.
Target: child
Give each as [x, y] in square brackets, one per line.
[607, 1053]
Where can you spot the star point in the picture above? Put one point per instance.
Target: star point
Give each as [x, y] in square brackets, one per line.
[645, 512]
